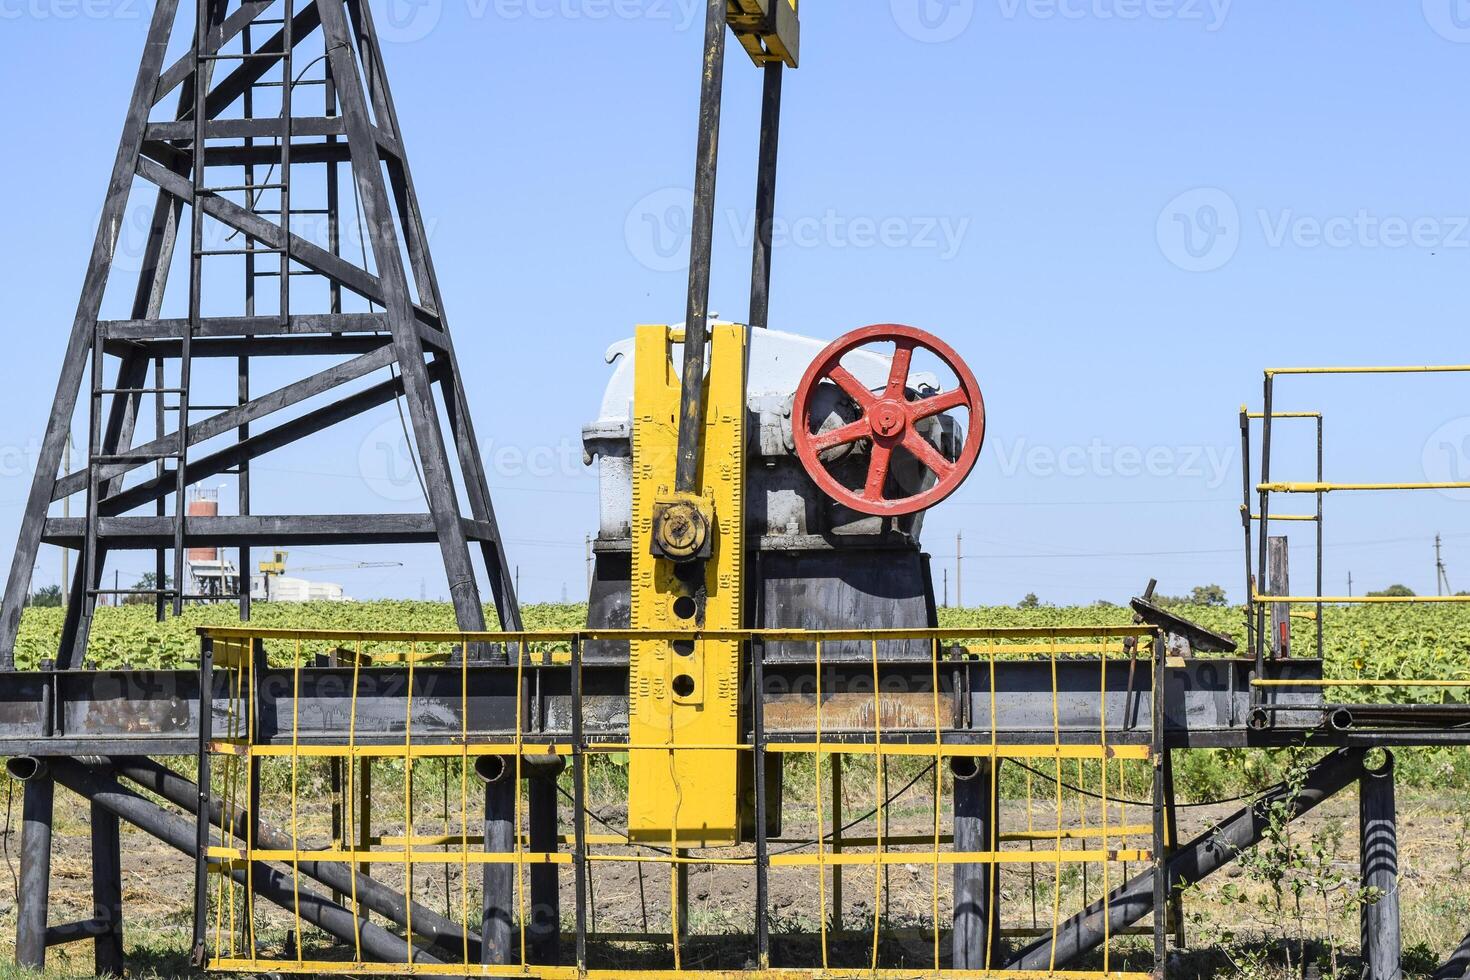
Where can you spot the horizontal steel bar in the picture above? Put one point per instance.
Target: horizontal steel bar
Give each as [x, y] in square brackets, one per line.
[252, 128]
[1355, 487]
[775, 636]
[232, 858]
[965, 751]
[1259, 416]
[1368, 682]
[123, 533]
[1355, 600]
[1403, 369]
[341, 968]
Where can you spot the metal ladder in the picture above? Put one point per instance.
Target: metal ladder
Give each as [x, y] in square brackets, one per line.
[204, 56]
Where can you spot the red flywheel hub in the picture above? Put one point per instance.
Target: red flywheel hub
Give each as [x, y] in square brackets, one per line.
[889, 421]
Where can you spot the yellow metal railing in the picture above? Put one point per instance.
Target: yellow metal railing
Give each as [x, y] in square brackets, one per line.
[1261, 601]
[278, 778]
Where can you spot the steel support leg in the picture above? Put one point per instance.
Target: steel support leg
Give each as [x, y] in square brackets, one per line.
[497, 920]
[1382, 948]
[835, 763]
[35, 870]
[107, 892]
[1457, 967]
[976, 913]
[544, 927]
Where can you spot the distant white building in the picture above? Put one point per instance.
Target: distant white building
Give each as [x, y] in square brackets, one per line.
[219, 578]
[213, 576]
[284, 588]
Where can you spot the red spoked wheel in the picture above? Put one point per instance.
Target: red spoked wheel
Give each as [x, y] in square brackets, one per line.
[889, 420]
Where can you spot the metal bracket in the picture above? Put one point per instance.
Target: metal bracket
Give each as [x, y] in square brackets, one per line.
[769, 30]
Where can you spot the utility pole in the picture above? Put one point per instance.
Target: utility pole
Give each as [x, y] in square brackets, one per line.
[1350, 585]
[1441, 577]
[65, 551]
[946, 588]
[959, 570]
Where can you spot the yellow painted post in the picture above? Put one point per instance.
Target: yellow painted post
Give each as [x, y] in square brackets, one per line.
[687, 692]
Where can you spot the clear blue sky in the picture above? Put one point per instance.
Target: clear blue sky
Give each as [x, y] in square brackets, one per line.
[1120, 211]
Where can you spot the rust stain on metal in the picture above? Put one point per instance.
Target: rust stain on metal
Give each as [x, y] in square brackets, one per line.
[912, 712]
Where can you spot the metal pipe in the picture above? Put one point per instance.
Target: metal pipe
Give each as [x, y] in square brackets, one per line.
[495, 768]
[1377, 815]
[271, 884]
[757, 650]
[497, 915]
[975, 914]
[765, 194]
[1246, 518]
[373, 895]
[107, 902]
[1264, 506]
[1322, 498]
[544, 925]
[1194, 862]
[1457, 967]
[701, 244]
[37, 811]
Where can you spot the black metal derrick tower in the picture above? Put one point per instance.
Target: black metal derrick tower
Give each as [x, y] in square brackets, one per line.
[281, 122]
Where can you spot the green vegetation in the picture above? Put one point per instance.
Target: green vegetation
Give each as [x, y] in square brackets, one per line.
[1383, 642]
[46, 597]
[1393, 592]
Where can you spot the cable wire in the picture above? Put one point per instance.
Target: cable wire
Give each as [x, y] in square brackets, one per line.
[5, 835]
[1115, 799]
[859, 820]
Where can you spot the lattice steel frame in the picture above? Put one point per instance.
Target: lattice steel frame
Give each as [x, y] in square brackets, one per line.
[407, 336]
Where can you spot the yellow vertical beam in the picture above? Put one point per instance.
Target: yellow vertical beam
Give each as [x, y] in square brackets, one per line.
[687, 692]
